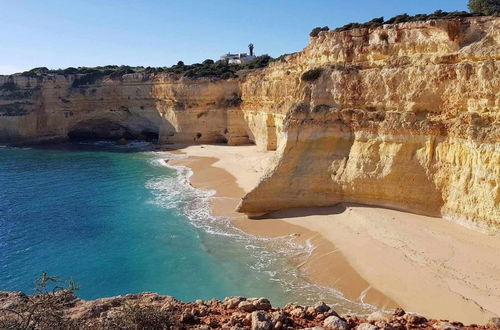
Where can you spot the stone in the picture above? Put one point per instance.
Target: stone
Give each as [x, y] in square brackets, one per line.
[334, 322]
[379, 316]
[262, 304]
[366, 326]
[494, 322]
[246, 306]
[415, 319]
[261, 321]
[399, 312]
[233, 302]
[321, 307]
[297, 312]
[445, 326]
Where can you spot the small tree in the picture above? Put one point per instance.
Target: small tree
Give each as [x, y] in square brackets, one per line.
[485, 7]
[315, 32]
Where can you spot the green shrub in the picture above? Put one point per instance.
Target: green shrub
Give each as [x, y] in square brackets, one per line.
[209, 69]
[403, 18]
[315, 32]
[311, 75]
[383, 36]
[485, 7]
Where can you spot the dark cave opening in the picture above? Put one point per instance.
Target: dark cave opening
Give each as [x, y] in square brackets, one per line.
[93, 130]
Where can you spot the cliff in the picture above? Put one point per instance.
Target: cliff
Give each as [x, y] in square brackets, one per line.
[404, 116]
[162, 107]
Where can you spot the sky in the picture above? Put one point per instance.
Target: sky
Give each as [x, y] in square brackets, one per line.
[63, 33]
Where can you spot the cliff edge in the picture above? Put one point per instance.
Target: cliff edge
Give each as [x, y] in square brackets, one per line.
[404, 116]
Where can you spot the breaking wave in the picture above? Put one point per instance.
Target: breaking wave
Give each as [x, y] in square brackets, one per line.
[269, 256]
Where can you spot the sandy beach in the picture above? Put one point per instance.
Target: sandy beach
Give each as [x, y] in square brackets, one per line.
[380, 256]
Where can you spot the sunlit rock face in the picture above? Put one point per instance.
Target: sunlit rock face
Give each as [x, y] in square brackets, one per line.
[404, 116]
[133, 106]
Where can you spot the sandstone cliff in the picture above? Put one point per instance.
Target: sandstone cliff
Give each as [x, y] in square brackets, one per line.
[139, 105]
[404, 116]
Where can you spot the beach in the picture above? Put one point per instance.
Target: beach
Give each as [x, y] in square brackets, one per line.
[379, 256]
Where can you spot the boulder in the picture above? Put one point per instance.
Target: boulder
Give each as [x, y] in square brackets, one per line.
[334, 322]
[366, 326]
[415, 319]
[246, 306]
[262, 304]
[261, 321]
[321, 307]
[445, 326]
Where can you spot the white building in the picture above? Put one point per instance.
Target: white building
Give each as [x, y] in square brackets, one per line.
[240, 57]
[237, 58]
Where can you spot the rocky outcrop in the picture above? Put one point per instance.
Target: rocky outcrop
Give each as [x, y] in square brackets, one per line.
[145, 106]
[152, 311]
[404, 116]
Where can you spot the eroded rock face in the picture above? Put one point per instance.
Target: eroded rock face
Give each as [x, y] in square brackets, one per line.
[409, 121]
[136, 106]
[405, 116]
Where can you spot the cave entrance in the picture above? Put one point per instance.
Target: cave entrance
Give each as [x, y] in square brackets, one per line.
[103, 129]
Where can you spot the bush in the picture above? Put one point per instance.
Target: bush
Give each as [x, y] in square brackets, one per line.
[315, 32]
[134, 316]
[311, 75]
[45, 309]
[403, 18]
[209, 68]
[485, 7]
[384, 36]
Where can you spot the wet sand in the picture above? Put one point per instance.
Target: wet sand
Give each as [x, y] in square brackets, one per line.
[380, 256]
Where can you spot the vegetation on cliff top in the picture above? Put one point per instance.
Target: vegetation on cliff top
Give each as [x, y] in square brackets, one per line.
[206, 69]
[485, 7]
[477, 8]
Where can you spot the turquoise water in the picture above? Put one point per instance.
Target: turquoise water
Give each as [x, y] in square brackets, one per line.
[120, 221]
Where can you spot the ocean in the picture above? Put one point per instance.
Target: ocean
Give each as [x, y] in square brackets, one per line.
[120, 220]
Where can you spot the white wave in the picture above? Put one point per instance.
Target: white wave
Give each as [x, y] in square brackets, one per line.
[270, 255]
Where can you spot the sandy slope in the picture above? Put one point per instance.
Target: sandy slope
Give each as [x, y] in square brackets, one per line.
[424, 264]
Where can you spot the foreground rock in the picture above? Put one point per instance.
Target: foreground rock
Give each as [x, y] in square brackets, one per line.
[152, 311]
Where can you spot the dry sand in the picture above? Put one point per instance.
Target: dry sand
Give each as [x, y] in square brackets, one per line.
[385, 257]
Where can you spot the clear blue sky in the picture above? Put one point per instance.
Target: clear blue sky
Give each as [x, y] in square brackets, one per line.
[63, 33]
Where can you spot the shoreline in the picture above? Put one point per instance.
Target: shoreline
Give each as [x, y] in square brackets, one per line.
[334, 263]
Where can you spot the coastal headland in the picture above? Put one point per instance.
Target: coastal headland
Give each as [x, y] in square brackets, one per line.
[379, 146]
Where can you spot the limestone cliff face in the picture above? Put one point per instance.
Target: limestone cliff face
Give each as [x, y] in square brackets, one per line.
[135, 105]
[405, 116]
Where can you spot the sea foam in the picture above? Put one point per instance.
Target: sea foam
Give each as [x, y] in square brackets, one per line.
[271, 256]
